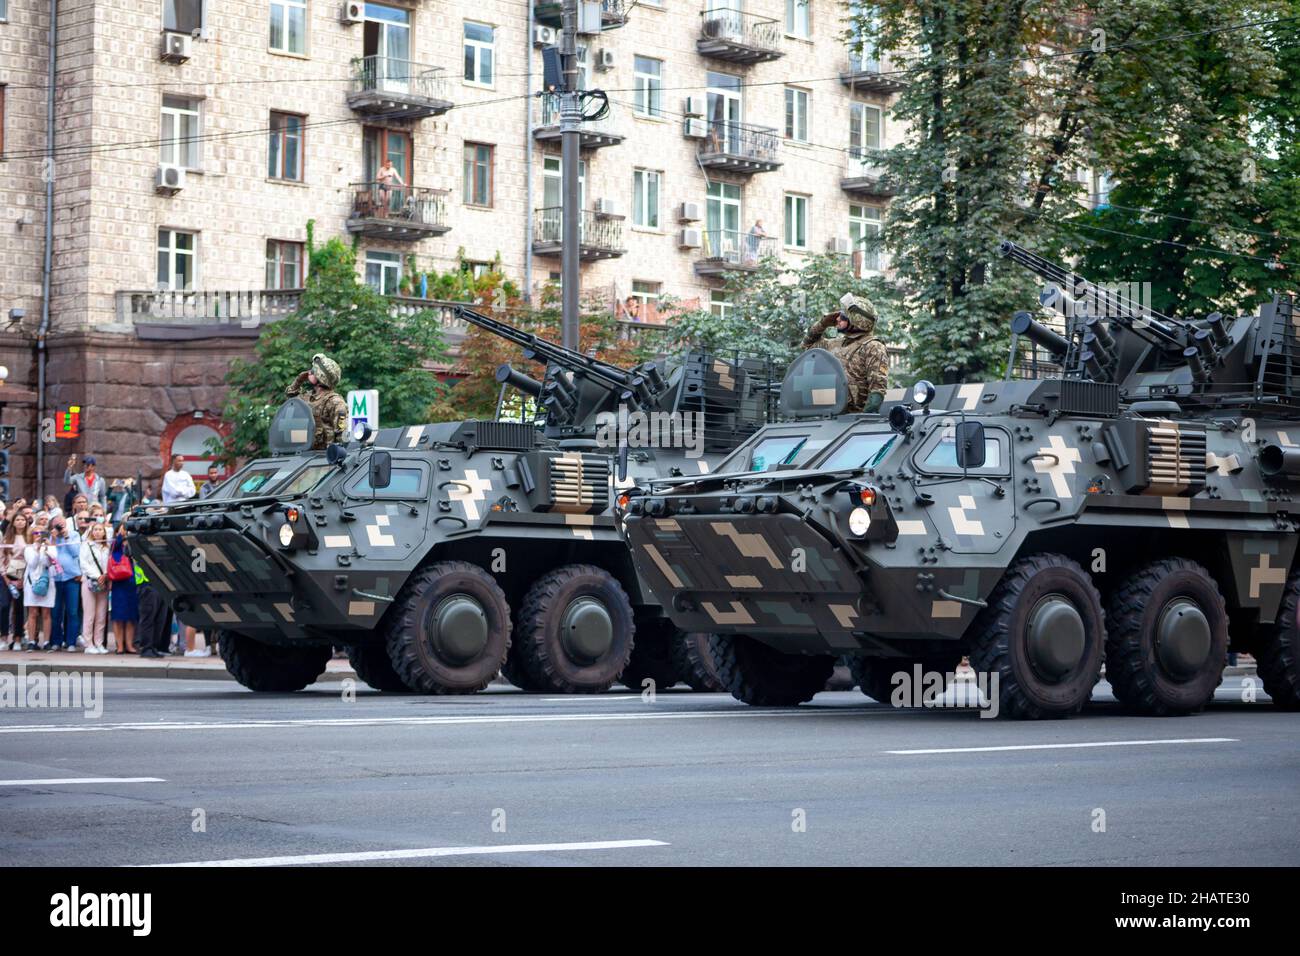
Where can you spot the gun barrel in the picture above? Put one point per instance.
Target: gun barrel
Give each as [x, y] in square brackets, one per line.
[506, 375]
[1022, 323]
[1278, 462]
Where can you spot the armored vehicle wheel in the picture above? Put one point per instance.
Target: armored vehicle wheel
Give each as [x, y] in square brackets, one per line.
[449, 630]
[764, 677]
[651, 657]
[1042, 634]
[373, 665]
[875, 675]
[272, 668]
[514, 670]
[694, 663]
[1278, 655]
[1166, 639]
[575, 630]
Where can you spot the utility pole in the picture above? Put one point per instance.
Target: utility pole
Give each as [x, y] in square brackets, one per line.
[570, 146]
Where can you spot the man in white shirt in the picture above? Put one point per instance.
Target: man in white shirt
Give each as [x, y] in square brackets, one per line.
[177, 484]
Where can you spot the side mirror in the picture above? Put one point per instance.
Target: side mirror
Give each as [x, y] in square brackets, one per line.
[970, 445]
[381, 470]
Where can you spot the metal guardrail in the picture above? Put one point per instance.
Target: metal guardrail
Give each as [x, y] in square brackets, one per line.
[546, 113]
[386, 74]
[736, 248]
[743, 29]
[751, 143]
[409, 204]
[594, 232]
[861, 162]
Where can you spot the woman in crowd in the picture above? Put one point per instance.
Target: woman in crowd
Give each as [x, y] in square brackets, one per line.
[123, 608]
[52, 508]
[39, 555]
[13, 568]
[94, 588]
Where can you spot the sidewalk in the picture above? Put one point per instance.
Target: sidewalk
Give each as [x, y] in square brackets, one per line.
[130, 665]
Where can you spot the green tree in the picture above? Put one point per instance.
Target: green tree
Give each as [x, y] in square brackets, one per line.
[375, 345]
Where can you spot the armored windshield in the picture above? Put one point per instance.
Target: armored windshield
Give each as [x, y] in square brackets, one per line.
[776, 452]
[861, 451]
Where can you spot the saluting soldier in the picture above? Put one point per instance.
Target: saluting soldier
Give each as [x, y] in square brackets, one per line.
[864, 357]
[316, 388]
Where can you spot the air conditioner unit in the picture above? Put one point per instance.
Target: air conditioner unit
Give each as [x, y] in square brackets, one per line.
[176, 47]
[544, 36]
[839, 246]
[354, 11]
[690, 212]
[170, 179]
[690, 239]
[696, 105]
[697, 127]
[606, 207]
[605, 60]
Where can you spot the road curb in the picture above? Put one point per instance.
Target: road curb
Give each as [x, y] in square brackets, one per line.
[177, 671]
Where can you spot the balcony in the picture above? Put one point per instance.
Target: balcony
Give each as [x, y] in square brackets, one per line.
[613, 13]
[865, 176]
[593, 135]
[728, 250]
[738, 148]
[738, 37]
[399, 213]
[398, 89]
[867, 75]
[600, 238]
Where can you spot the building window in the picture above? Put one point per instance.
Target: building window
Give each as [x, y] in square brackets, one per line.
[796, 115]
[284, 155]
[284, 264]
[4, 9]
[182, 16]
[864, 128]
[480, 42]
[719, 304]
[384, 272]
[478, 174]
[645, 300]
[176, 260]
[289, 26]
[648, 80]
[864, 228]
[798, 22]
[796, 221]
[477, 268]
[2, 110]
[645, 197]
[180, 132]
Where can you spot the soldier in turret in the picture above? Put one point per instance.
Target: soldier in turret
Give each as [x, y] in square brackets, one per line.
[864, 357]
[316, 387]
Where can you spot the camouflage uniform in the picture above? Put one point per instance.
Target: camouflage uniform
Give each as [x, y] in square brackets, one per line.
[327, 406]
[864, 357]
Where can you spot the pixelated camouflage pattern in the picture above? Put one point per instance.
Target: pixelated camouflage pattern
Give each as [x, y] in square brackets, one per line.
[864, 357]
[328, 409]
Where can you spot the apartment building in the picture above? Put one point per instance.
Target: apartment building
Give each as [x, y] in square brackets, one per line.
[194, 140]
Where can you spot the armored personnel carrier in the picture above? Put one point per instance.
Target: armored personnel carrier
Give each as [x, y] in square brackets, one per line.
[441, 554]
[1138, 510]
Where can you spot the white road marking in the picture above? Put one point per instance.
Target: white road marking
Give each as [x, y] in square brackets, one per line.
[60, 781]
[1074, 746]
[428, 853]
[591, 700]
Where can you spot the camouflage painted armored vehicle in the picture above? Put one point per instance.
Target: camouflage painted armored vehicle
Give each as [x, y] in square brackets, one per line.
[441, 554]
[1140, 509]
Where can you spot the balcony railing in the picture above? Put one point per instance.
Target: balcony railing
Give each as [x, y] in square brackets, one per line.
[865, 175]
[599, 237]
[727, 34]
[399, 89]
[593, 135]
[869, 75]
[728, 250]
[739, 148]
[613, 13]
[407, 213]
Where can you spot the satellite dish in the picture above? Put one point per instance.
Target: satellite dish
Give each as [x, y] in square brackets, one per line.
[815, 385]
[293, 429]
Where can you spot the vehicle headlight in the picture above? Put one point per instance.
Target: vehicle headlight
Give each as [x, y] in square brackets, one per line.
[286, 534]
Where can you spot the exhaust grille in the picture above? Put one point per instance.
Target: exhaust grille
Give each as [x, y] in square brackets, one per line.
[1175, 458]
[579, 483]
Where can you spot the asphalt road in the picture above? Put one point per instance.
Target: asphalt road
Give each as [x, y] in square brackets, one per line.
[688, 779]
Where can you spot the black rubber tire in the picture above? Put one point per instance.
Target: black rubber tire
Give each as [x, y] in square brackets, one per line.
[272, 668]
[651, 657]
[513, 669]
[1277, 658]
[1132, 665]
[415, 659]
[998, 645]
[764, 677]
[541, 650]
[694, 663]
[372, 664]
[874, 676]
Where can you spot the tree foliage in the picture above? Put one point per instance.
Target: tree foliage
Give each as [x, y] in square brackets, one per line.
[376, 346]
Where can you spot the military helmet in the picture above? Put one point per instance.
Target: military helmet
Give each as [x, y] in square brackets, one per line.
[326, 370]
[859, 311]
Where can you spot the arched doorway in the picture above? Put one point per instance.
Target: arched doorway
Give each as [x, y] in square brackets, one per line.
[188, 437]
